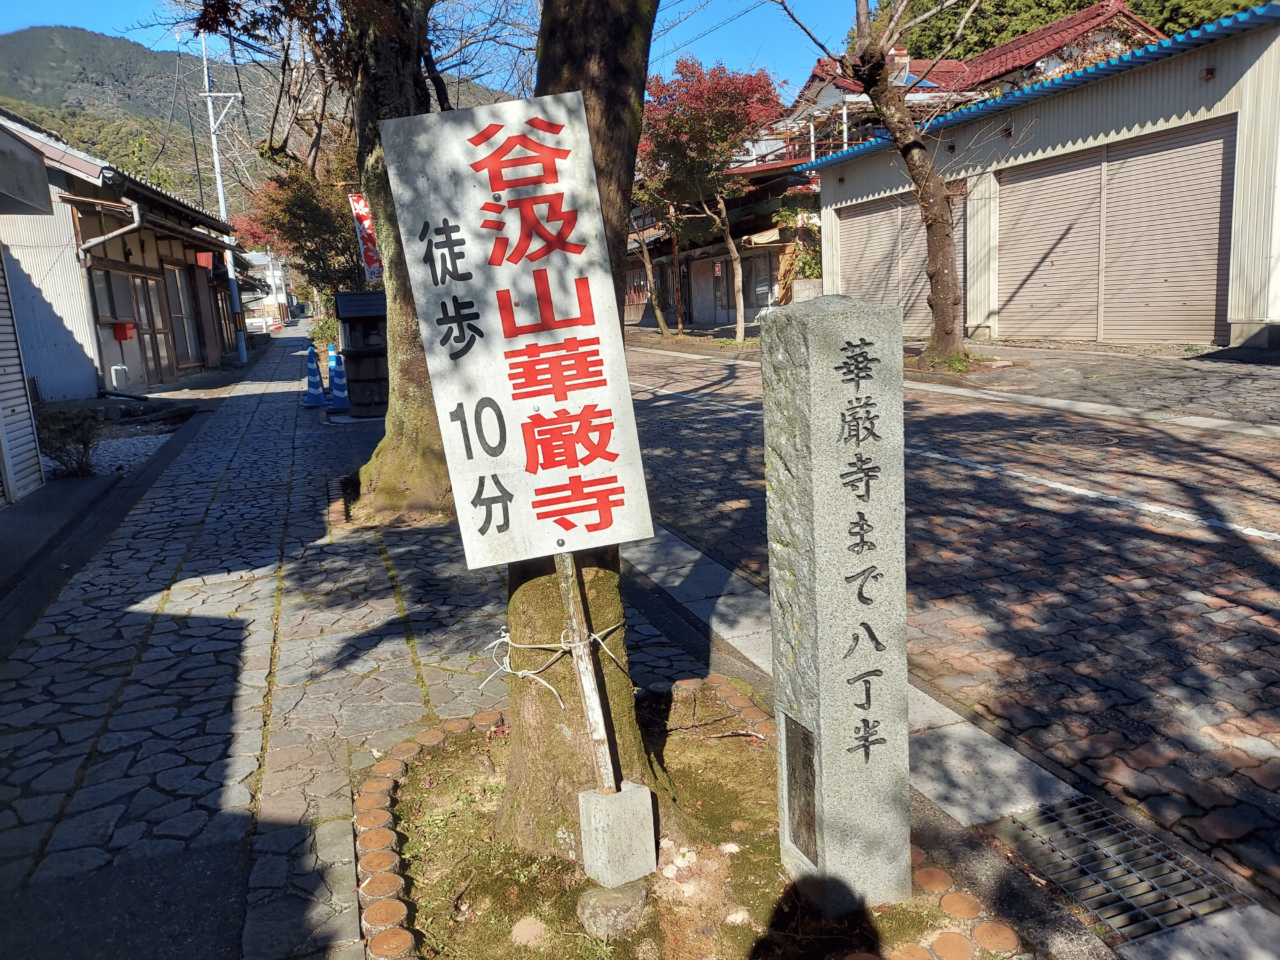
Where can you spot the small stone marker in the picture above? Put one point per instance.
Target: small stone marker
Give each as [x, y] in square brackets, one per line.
[617, 834]
[837, 565]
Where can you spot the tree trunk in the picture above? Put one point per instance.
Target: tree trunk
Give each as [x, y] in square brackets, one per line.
[945, 292]
[407, 475]
[600, 47]
[740, 333]
[552, 759]
[653, 288]
[676, 285]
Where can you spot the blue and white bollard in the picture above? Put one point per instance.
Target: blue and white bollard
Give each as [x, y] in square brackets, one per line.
[338, 399]
[333, 362]
[315, 388]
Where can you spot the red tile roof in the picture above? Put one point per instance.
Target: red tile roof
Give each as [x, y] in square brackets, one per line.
[1027, 49]
[1023, 51]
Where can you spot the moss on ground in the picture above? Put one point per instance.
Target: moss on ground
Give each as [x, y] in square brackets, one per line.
[468, 891]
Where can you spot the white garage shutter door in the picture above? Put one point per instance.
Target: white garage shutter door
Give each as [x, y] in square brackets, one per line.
[883, 256]
[869, 251]
[1050, 218]
[1168, 236]
[20, 471]
[917, 318]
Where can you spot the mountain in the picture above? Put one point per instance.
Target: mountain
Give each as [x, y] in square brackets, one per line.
[111, 98]
[69, 68]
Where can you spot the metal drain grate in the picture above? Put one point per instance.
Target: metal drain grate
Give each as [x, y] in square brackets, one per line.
[1128, 879]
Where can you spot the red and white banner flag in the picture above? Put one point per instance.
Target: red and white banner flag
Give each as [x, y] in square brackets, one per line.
[500, 219]
[364, 235]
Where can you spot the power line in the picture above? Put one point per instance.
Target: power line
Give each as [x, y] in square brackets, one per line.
[706, 33]
[665, 28]
[168, 122]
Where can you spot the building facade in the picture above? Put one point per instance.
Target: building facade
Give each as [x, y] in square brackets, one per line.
[1131, 201]
[23, 191]
[122, 289]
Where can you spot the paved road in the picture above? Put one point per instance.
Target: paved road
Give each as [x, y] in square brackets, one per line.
[1135, 647]
[180, 730]
[1174, 387]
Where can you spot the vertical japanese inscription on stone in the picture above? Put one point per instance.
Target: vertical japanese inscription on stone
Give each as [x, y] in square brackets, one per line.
[837, 561]
[500, 221]
[802, 816]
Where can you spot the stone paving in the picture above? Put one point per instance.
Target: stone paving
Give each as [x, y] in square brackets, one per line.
[1136, 649]
[223, 668]
[1150, 377]
[1161, 385]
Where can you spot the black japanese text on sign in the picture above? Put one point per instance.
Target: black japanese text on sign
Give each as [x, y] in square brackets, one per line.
[857, 431]
[500, 220]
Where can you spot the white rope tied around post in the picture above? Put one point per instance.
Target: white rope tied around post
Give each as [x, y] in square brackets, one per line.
[560, 649]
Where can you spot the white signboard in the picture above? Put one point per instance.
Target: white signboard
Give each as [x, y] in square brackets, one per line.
[500, 219]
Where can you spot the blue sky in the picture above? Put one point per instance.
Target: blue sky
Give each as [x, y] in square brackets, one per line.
[756, 35]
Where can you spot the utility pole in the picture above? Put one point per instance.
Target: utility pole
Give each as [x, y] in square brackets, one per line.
[222, 196]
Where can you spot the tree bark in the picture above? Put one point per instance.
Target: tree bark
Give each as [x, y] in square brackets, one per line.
[653, 288]
[437, 80]
[552, 760]
[406, 476]
[933, 199]
[676, 285]
[600, 47]
[740, 333]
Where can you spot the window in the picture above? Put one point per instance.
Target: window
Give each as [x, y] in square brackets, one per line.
[226, 319]
[121, 297]
[637, 287]
[182, 316]
[153, 324]
[140, 291]
[102, 296]
[764, 279]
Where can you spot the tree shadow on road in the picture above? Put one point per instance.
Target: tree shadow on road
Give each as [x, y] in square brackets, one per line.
[1134, 648]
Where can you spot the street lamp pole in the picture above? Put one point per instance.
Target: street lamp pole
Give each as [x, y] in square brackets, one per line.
[214, 124]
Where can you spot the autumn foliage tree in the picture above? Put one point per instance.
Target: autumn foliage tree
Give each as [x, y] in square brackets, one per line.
[307, 218]
[695, 123]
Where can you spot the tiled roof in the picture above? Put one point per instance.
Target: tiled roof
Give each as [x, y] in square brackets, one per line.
[56, 150]
[1030, 47]
[972, 74]
[946, 74]
[1267, 15]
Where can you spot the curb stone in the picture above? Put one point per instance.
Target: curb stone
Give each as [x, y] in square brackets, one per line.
[384, 912]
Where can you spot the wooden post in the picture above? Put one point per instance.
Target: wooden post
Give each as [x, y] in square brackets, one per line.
[581, 650]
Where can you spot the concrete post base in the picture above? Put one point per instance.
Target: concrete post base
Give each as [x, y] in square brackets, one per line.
[618, 840]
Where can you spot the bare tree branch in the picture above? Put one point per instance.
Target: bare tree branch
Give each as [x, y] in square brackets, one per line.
[862, 27]
[892, 36]
[809, 33]
[949, 47]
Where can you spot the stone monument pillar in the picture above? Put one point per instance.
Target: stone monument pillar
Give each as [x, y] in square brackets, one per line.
[833, 431]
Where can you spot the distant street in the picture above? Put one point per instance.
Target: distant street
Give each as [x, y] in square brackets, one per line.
[1134, 646]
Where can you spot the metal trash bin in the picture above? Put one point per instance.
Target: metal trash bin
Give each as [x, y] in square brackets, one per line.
[362, 341]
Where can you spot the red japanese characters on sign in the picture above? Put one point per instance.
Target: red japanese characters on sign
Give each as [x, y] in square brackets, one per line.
[364, 236]
[500, 219]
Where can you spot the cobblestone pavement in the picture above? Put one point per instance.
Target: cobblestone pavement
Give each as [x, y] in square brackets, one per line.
[1166, 385]
[1161, 385]
[188, 717]
[1136, 648]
